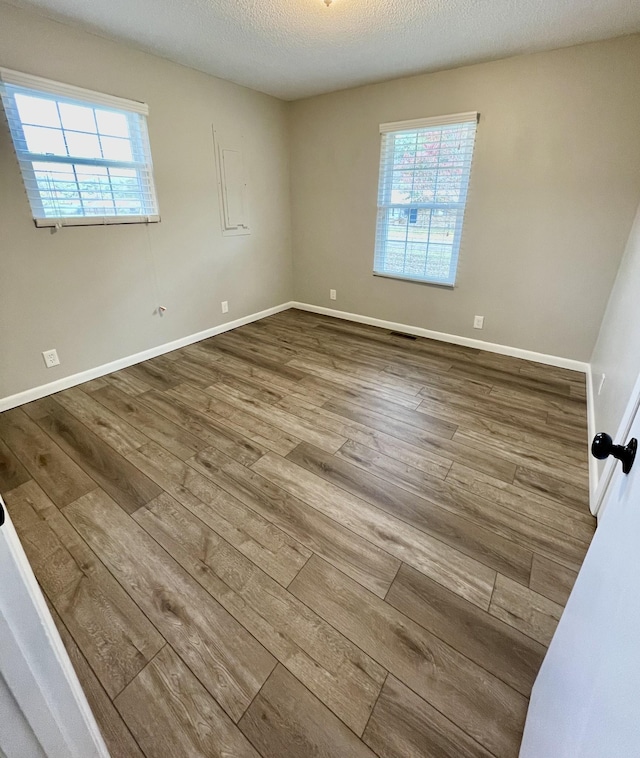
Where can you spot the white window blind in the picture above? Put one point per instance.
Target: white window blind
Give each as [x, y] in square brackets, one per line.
[84, 156]
[424, 176]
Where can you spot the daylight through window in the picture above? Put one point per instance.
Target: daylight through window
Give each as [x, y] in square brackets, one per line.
[84, 156]
[424, 176]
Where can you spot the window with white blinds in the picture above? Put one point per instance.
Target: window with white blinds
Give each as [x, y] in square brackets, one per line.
[424, 176]
[84, 156]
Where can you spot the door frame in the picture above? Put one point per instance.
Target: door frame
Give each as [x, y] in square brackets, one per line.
[34, 663]
[599, 499]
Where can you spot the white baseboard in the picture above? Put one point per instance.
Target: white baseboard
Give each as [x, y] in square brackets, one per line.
[35, 393]
[594, 475]
[516, 352]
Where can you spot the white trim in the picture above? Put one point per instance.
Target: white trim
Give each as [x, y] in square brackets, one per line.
[422, 123]
[591, 432]
[492, 347]
[43, 390]
[601, 484]
[29, 81]
[35, 664]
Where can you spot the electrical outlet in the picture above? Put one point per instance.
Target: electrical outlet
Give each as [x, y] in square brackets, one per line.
[601, 385]
[478, 322]
[332, 294]
[225, 306]
[51, 358]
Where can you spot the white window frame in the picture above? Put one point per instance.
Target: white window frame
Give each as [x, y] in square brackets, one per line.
[385, 204]
[15, 82]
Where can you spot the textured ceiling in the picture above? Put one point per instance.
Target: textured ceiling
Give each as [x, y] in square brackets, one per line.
[297, 48]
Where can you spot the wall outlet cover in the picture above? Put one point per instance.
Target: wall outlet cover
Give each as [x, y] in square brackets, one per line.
[332, 294]
[478, 322]
[225, 306]
[51, 358]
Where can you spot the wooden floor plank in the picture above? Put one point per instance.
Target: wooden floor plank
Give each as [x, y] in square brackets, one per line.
[543, 510]
[110, 427]
[430, 463]
[115, 732]
[249, 355]
[421, 436]
[60, 477]
[246, 341]
[328, 371]
[508, 380]
[451, 449]
[404, 725]
[128, 486]
[114, 636]
[518, 427]
[418, 419]
[570, 409]
[273, 550]
[172, 714]
[552, 580]
[525, 610]
[541, 371]
[286, 422]
[464, 575]
[152, 425]
[469, 538]
[354, 366]
[436, 380]
[244, 424]
[568, 492]
[523, 455]
[287, 721]
[361, 560]
[489, 642]
[39, 408]
[218, 373]
[151, 374]
[566, 540]
[483, 706]
[127, 383]
[494, 407]
[322, 391]
[12, 472]
[205, 427]
[334, 669]
[242, 368]
[223, 655]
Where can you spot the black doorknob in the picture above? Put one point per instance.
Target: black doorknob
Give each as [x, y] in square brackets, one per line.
[602, 447]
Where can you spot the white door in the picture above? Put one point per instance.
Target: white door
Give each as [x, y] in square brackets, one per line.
[43, 710]
[586, 700]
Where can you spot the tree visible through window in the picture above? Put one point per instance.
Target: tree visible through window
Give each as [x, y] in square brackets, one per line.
[424, 177]
[82, 161]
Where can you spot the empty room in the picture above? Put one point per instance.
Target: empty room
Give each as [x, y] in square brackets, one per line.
[320, 381]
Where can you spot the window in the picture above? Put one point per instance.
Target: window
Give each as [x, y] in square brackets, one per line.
[84, 156]
[424, 176]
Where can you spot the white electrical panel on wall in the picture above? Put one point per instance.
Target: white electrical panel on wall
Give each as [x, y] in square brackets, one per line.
[232, 185]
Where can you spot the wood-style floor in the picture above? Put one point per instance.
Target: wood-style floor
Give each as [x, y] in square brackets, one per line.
[306, 537]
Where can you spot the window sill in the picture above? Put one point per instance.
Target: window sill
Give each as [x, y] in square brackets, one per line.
[95, 221]
[415, 281]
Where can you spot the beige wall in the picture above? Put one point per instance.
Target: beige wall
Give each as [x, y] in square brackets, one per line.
[555, 185]
[554, 188]
[91, 292]
[617, 351]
